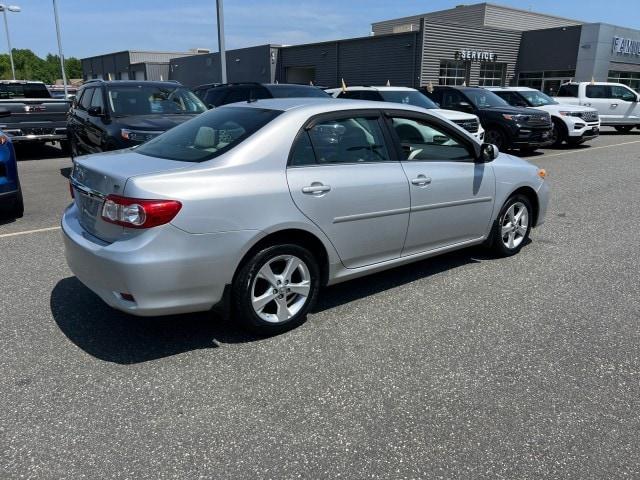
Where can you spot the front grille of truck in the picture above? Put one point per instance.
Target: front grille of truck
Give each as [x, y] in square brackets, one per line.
[540, 119]
[471, 125]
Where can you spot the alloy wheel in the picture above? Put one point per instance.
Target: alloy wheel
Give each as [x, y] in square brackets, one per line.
[280, 288]
[515, 224]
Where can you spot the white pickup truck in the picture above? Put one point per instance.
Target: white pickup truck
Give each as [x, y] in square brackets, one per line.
[617, 104]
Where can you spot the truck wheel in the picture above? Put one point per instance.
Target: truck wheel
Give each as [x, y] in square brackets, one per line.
[624, 128]
[65, 147]
[559, 133]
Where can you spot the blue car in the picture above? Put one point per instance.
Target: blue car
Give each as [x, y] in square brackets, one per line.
[10, 191]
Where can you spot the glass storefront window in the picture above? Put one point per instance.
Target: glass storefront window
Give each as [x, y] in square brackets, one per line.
[453, 72]
[631, 79]
[492, 74]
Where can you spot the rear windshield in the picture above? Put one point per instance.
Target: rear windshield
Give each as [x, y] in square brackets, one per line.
[151, 99]
[23, 90]
[408, 97]
[208, 135]
[293, 91]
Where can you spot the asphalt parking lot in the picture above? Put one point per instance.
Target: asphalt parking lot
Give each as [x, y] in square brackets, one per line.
[463, 366]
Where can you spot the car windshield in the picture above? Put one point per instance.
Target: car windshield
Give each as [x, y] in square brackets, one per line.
[293, 91]
[408, 97]
[23, 90]
[484, 98]
[536, 98]
[208, 135]
[125, 100]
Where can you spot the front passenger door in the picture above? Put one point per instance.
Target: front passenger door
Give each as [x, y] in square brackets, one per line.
[343, 176]
[452, 196]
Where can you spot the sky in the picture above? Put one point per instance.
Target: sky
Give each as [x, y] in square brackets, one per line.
[93, 27]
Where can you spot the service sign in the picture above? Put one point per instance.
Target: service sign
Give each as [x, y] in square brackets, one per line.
[475, 55]
[626, 46]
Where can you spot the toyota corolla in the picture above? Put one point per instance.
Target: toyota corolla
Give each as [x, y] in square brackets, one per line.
[260, 204]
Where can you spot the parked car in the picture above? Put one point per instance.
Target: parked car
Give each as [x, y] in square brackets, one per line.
[410, 96]
[11, 202]
[573, 124]
[617, 104]
[505, 126]
[35, 117]
[216, 95]
[111, 115]
[261, 203]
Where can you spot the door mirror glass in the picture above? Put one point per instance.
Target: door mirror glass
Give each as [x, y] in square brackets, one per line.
[488, 152]
[95, 111]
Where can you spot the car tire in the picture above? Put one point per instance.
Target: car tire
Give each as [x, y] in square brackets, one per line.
[559, 133]
[497, 137]
[262, 297]
[623, 128]
[512, 227]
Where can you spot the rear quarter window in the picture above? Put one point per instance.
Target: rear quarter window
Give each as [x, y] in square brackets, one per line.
[568, 91]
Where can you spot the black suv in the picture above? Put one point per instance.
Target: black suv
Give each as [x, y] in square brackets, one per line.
[506, 126]
[216, 95]
[110, 115]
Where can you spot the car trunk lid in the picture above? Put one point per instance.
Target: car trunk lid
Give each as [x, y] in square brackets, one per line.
[94, 177]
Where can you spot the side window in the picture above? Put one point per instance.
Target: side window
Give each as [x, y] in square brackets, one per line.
[85, 101]
[349, 140]
[451, 99]
[259, 92]
[598, 91]
[302, 153]
[237, 94]
[568, 91]
[96, 100]
[512, 99]
[422, 141]
[352, 94]
[623, 93]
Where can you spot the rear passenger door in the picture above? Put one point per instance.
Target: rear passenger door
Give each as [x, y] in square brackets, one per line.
[452, 196]
[343, 176]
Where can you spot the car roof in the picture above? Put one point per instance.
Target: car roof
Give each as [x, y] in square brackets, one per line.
[133, 82]
[456, 87]
[317, 105]
[511, 89]
[374, 88]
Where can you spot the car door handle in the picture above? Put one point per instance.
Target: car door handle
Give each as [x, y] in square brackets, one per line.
[316, 188]
[421, 181]
[614, 105]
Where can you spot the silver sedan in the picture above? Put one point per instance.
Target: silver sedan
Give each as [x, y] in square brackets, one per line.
[258, 205]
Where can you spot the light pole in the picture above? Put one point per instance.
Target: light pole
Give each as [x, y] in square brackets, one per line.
[223, 56]
[15, 9]
[60, 54]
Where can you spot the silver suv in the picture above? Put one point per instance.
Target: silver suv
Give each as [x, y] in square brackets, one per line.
[264, 202]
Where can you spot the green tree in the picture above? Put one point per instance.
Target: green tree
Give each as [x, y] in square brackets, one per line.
[31, 67]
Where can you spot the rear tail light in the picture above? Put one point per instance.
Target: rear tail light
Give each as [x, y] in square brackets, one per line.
[139, 213]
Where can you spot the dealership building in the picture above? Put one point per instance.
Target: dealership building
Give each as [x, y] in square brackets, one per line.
[477, 45]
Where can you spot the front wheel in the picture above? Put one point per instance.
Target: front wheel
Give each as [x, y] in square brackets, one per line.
[496, 137]
[513, 226]
[623, 128]
[558, 135]
[274, 289]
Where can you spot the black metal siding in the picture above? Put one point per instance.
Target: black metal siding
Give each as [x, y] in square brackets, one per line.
[550, 49]
[243, 65]
[360, 61]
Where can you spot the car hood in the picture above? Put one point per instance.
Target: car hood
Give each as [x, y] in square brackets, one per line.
[155, 122]
[509, 110]
[454, 115]
[564, 107]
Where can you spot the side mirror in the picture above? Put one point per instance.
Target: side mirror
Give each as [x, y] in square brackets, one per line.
[5, 112]
[95, 111]
[488, 152]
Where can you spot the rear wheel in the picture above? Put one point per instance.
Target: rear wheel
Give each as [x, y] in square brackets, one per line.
[496, 137]
[513, 226]
[275, 288]
[624, 128]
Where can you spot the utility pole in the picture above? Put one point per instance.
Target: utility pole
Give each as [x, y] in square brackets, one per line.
[60, 54]
[223, 56]
[15, 9]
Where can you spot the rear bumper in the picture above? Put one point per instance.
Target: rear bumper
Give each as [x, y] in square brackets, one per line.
[166, 270]
[28, 135]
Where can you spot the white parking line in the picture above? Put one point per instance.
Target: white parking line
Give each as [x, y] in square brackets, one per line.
[26, 232]
[591, 149]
